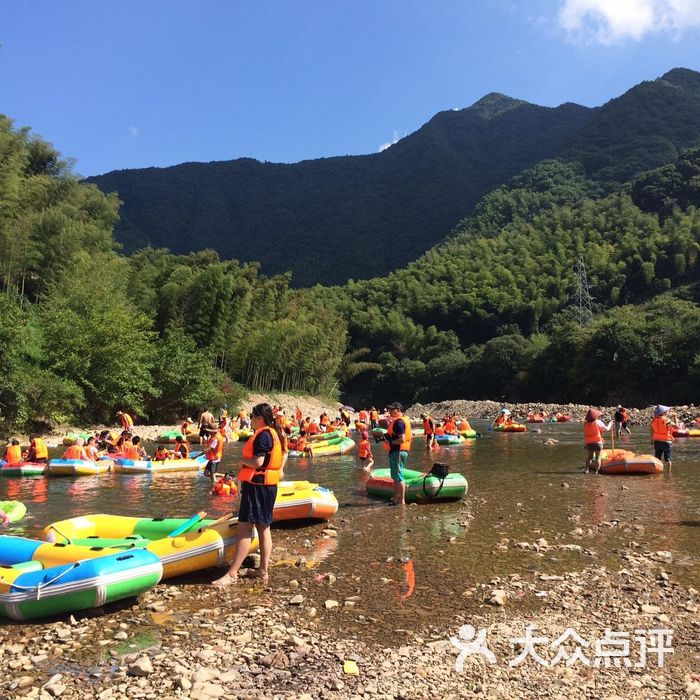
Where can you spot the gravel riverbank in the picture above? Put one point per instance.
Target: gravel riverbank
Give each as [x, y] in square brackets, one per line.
[190, 640]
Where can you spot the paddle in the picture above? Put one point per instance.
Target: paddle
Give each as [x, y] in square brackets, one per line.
[189, 524]
[222, 519]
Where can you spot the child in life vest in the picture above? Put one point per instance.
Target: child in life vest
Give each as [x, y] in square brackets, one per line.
[161, 454]
[225, 486]
[365, 452]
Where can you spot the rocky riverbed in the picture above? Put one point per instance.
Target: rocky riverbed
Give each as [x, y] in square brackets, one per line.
[489, 410]
[304, 638]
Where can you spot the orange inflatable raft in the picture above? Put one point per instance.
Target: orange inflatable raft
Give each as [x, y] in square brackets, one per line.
[625, 462]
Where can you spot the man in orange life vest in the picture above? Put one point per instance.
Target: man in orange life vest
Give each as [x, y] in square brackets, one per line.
[661, 436]
[593, 429]
[398, 442]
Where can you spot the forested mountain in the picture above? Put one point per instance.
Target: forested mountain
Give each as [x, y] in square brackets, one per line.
[489, 313]
[332, 219]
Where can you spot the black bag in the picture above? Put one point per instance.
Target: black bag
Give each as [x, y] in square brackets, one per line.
[440, 470]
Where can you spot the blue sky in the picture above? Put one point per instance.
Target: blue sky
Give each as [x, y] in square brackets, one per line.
[138, 83]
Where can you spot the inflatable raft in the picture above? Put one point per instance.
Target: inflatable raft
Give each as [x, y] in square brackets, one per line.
[13, 510]
[72, 437]
[421, 487]
[169, 437]
[23, 469]
[301, 500]
[143, 466]
[449, 439]
[194, 550]
[624, 462]
[685, 432]
[34, 585]
[536, 417]
[512, 428]
[331, 447]
[78, 467]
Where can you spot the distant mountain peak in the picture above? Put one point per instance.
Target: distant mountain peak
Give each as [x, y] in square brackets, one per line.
[682, 77]
[495, 103]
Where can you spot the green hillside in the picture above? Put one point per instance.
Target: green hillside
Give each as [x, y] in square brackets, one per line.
[359, 217]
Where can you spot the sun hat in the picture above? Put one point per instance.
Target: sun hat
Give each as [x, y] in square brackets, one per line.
[593, 414]
[505, 411]
[661, 410]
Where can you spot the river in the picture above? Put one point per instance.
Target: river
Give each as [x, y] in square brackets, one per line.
[520, 490]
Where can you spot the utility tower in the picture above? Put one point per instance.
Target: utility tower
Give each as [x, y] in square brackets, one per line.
[582, 294]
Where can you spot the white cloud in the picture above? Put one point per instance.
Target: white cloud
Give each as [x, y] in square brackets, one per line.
[386, 145]
[612, 21]
[134, 131]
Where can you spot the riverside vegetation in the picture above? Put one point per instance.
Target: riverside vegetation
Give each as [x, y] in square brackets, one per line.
[485, 314]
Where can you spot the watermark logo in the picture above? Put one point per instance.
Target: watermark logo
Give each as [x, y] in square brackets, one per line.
[614, 649]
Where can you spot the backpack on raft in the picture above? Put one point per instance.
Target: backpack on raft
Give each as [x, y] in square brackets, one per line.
[440, 471]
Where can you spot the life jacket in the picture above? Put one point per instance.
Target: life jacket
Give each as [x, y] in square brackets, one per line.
[374, 415]
[161, 455]
[75, 452]
[591, 432]
[463, 425]
[364, 449]
[130, 451]
[439, 430]
[325, 420]
[92, 453]
[428, 426]
[501, 419]
[298, 415]
[242, 414]
[271, 471]
[301, 443]
[312, 428]
[13, 454]
[450, 427]
[182, 449]
[406, 444]
[661, 430]
[359, 425]
[40, 449]
[214, 454]
[363, 416]
[127, 421]
[221, 488]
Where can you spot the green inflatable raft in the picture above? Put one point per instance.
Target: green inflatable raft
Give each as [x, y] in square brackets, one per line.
[13, 510]
[421, 487]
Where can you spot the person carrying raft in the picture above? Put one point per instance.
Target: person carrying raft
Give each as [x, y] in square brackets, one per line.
[593, 429]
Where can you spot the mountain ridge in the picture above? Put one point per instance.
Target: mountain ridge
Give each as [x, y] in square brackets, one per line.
[319, 217]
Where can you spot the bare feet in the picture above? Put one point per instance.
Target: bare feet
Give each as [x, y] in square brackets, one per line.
[224, 581]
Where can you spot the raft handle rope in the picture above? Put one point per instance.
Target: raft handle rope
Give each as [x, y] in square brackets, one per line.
[68, 540]
[43, 584]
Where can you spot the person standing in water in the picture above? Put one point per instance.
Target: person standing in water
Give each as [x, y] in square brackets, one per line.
[398, 443]
[661, 435]
[593, 429]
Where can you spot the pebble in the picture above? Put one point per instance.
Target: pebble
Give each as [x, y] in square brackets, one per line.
[330, 604]
[141, 667]
[297, 599]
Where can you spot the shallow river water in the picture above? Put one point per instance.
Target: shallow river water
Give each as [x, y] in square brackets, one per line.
[412, 566]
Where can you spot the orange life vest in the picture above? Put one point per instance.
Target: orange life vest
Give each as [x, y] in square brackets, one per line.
[127, 421]
[591, 432]
[92, 453]
[298, 415]
[501, 419]
[363, 416]
[373, 415]
[130, 451]
[325, 420]
[364, 450]
[221, 488]
[661, 430]
[75, 452]
[271, 472]
[439, 430]
[13, 454]
[183, 449]
[450, 427]
[40, 449]
[406, 444]
[312, 428]
[214, 454]
[161, 455]
[428, 426]
[301, 443]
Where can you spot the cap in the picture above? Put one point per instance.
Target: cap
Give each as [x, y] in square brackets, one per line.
[396, 405]
[593, 414]
[661, 410]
